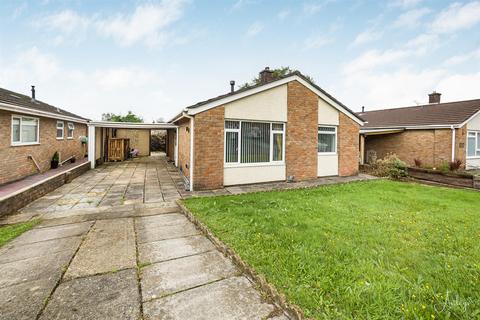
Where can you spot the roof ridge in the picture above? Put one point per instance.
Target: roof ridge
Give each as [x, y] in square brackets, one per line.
[420, 105]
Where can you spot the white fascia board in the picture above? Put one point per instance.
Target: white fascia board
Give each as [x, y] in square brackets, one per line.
[469, 119]
[247, 93]
[425, 127]
[18, 109]
[131, 125]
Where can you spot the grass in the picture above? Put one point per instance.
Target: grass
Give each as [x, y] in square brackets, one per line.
[10, 232]
[366, 250]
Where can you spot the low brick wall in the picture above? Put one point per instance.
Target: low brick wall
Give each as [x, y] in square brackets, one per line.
[454, 179]
[22, 198]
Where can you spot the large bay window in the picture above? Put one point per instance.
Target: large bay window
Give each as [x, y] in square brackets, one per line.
[327, 140]
[473, 144]
[24, 130]
[248, 142]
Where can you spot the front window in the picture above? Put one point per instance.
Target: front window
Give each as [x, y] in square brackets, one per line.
[24, 130]
[70, 129]
[60, 129]
[473, 144]
[253, 142]
[327, 139]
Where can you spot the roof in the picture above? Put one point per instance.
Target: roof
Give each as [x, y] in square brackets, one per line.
[132, 125]
[25, 102]
[435, 114]
[238, 94]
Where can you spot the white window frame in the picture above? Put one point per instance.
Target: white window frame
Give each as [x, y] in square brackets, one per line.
[20, 143]
[271, 162]
[477, 139]
[328, 132]
[58, 128]
[70, 137]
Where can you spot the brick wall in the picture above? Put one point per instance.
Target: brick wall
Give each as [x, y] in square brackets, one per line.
[432, 147]
[460, 145]
[302, 132]
[184, 146]
[16, 165]
[348, 146]
[171, 144]
[209, 149]
[21, 199]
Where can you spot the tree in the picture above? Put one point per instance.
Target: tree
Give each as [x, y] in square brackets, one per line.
[129, 117]
[277, 73]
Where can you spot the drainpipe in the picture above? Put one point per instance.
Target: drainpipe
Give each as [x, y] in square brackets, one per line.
[91, 145]
[192, 162]
[453, 143]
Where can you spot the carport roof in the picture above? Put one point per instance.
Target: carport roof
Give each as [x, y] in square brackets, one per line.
[131, 125]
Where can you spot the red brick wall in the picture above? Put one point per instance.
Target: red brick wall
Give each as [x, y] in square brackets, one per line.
[348, 146]
[302, 132]
[14, 162]
[184, 146]
[209, 149]
[460, 145]
[432, 147]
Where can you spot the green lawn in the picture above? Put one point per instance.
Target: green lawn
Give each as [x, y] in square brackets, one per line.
[366, 250]
[10, 232]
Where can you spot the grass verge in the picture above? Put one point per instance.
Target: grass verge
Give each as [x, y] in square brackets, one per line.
[10, 232]
[366, 250]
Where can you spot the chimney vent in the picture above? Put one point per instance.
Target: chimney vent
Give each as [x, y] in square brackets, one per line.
[266, 76]
[232, 86]
[434, 97]
[363, 109]
[33, 93]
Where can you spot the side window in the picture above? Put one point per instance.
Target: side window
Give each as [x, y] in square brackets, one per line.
[60, 125]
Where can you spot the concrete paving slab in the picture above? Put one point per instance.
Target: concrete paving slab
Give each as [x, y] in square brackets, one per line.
[173, 248]
[232, 298]
[168, 232]
[160, 220]
[25, 300]
[108, 296]
[109, 246]
[45, 267]
[165, 278]
[62, 231]
[11, 252]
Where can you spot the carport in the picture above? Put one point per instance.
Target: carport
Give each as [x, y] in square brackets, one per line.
[102, 133]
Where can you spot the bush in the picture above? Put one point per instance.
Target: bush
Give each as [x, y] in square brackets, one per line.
[455, 165]
[390, 166]
[418, 163]
[444, 167]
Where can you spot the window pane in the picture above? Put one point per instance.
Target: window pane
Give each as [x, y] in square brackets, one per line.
[29, 133]
[326, 142]
[277, 147]
[326, 129]
[471, 146]
[16, 130]
[231, 147]
[277, 126]
[232, 124]
[255, 142]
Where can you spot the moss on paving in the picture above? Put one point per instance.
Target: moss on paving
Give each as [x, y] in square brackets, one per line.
[365, 250]
[10, 232]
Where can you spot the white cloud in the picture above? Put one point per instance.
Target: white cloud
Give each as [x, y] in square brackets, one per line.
[282, 15]
[70, 25]
[423, 43]
[254, 29]
[375, 58]
[147, 24]
[405, 3]
[457, 17]
[367, 36]
[312, 8]
[315, 42]
[462, 58]
[411, 18]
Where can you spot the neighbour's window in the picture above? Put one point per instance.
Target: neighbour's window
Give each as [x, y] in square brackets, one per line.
[327, 139]
[24, 130]
[70, 129]
[60, 129]
[473, 144]
[253, 142]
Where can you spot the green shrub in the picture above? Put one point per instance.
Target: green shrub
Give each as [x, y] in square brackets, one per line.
[390, 166]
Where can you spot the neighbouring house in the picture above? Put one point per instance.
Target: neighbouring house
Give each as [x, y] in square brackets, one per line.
[32, 131]
[282, 129]
[434, 133]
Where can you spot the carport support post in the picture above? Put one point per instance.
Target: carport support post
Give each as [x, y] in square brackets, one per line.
[91, 145]
[176, 147]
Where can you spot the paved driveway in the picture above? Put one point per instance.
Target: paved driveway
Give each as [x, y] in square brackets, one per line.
[113, 245]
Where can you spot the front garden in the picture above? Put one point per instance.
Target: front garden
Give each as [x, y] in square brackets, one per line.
[365, 250]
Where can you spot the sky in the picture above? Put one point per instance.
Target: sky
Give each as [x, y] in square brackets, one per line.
[157, 57]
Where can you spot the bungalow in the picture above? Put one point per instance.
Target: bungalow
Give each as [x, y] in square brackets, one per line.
[32, 131]
[282, 129]
[433, 133]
